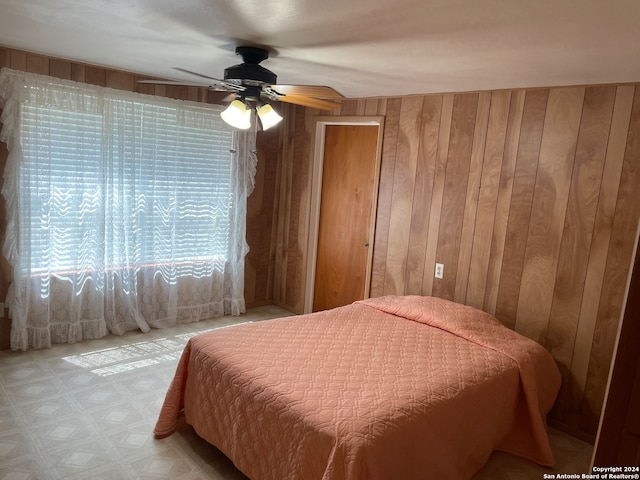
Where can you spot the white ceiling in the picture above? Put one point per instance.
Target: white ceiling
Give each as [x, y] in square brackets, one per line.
[362, 48]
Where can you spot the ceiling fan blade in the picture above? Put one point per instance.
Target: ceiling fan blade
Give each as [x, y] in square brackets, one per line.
[219, 97]
[226, 84]
[316, 91]
[198, 74]
[175, 82]
[309, 102]
[216, 87]
[229, 98]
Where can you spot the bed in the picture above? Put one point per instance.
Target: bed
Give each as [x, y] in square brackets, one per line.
[393, 387]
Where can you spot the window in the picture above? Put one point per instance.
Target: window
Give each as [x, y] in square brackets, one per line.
[180, 178]
[125, 211]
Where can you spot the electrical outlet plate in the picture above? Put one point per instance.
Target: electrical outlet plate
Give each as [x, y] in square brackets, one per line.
[439, 270]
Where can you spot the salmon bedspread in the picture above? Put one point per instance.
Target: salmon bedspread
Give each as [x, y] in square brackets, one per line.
[404, 387]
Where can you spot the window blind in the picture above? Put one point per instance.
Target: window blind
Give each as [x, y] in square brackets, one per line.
[176, 174]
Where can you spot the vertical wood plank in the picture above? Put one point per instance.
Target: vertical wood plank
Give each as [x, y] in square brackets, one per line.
[616, 274]
[471, 197]
[362, 103]
[438, 191]
[453, 197]
[402, 199]
[259, 262]
[382, 106]
[95, 76]
[202, 95]
[274, 216]
[5, 268]
[193, 94]
[520, 208]
[578, 230]
[421, 208]
[60, 69]
[551, 192]
[298, 211]
[512, 139]
[148, 88]
[5, 57]
[284, 200]
[271, 215]
[160, 90]
[600, 242]
[487, 198]
[385, 193]
[78, 72]
[179, 92]
[37, 64]
[18, 60]
[293, 211]
[289, 199]
[375, 285]
[349, 107]
[253, 223]
[120, 80]
[278, 213]
[371, 106]
[303, 150]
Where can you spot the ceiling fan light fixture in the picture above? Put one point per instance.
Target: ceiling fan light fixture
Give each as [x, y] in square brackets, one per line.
[249, 82]
[268, 116]
[237, 115]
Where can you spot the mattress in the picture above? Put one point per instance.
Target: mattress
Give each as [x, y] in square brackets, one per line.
[391, 387]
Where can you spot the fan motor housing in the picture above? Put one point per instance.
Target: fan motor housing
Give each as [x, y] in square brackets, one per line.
[250, 72]
[246, 71]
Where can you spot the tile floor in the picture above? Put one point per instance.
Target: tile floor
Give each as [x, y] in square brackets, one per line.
[87, 411]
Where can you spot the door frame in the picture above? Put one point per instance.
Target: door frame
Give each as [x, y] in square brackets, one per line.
[317, 149]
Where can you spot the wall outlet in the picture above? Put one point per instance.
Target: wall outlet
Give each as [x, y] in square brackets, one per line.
[439, 270]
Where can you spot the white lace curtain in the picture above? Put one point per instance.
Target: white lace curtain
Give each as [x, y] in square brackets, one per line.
[139, 222]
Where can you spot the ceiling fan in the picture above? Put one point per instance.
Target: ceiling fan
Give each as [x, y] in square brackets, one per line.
[249, 82]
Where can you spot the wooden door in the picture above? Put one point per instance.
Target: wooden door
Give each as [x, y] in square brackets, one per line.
[346, 207]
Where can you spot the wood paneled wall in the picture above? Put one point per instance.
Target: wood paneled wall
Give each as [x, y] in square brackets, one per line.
[259, 267]
[528, 197]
